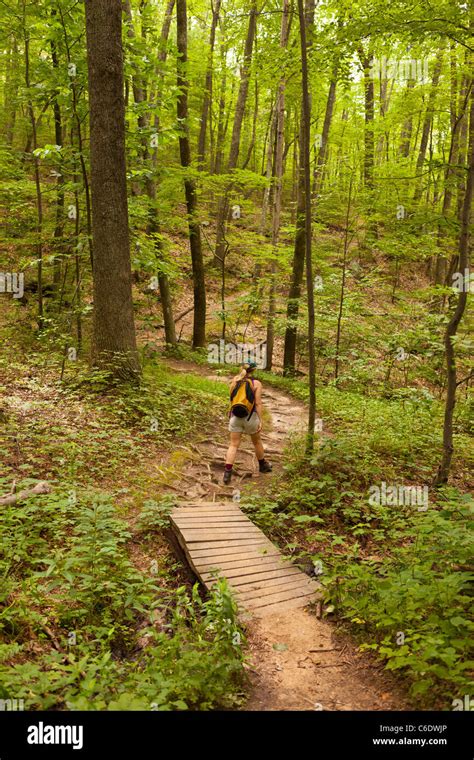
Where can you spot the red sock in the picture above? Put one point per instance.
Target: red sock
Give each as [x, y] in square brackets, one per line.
[228, 466]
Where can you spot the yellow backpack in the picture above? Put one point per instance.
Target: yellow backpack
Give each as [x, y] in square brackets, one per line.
[242, 398]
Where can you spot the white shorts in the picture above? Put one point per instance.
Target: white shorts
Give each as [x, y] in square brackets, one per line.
[243, 425]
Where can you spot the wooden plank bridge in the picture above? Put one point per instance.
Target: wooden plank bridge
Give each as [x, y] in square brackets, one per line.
[219, 540]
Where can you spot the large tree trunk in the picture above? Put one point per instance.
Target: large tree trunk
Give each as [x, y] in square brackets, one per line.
[114, 343]
[453, 324]
[199, 324]
[223, 207]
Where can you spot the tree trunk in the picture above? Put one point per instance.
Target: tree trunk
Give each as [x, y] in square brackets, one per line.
[10, 92]
[251, 147]
[323, 151]
[223, 207]
[277, 190]
[306, 119]
[206, 104]
[463, 139]
[425, 133]
[199, 324]
[452, 326]
[114, 342]
[292, 310]
[219, 152]
[450, 173]
[78, 123]
[343, 281]
[367, 61]
[407, 128]
[153, 225]
[39, 197]
[160, 74]
[462, 161]
[59, 223]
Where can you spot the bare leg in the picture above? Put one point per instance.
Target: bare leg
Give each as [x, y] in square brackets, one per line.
[235, 439]
[258, 445]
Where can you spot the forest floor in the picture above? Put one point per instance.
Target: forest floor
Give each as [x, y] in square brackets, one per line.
[297, 661]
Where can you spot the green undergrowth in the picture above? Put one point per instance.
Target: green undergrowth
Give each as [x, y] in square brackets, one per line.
[403, 433]
[82, 628]
[75, 429]
[95, 612]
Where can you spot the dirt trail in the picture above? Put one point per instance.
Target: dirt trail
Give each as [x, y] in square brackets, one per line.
[298, 662]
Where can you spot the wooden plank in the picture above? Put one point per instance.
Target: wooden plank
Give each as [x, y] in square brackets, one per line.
[212, 522]
[252, 567]
[229, 543]
[292, 582]
[202, 503]
[228, 504]
[263, 575]
[279, 596]
[211, 527]
[225, 567]
[232, 506]
[195, 535]
[229, 529]
[239, 575]
[227, 515]
[270, 582]
[221, 557]
[206, 513]
[208, 516]
[241, 552]
[237, 530]
[279, 607]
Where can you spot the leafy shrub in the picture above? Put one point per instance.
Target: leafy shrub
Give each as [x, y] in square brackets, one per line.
[82, 628]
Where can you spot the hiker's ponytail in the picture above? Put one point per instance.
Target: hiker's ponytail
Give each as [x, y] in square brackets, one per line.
[242, 374]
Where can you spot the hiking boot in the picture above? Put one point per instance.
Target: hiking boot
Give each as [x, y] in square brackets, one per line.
[227, 477]
[264, 466]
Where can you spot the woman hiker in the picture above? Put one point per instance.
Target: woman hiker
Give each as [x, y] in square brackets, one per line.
[245, 417]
